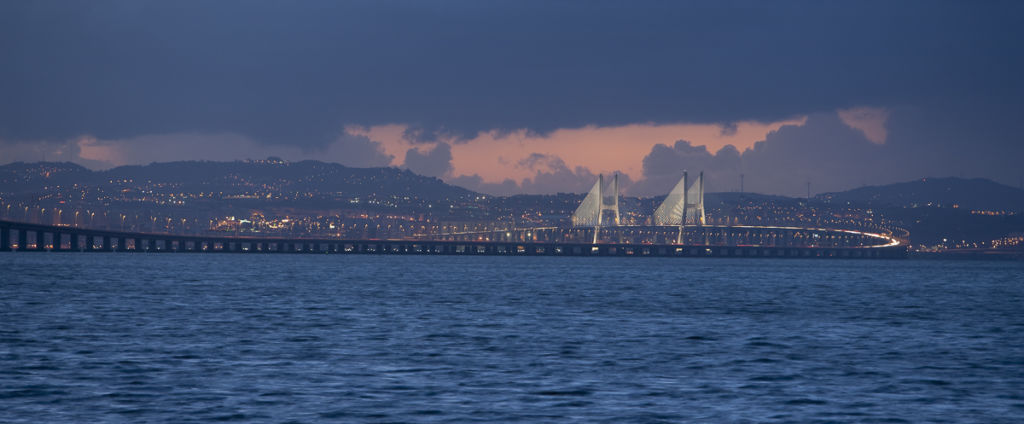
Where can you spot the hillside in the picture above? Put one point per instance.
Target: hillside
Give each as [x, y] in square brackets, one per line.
[970, 194]
[240, 178]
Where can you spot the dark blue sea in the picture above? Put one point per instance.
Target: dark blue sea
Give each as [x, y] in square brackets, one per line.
[181, 338]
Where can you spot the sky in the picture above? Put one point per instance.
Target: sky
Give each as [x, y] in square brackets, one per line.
[508, 97]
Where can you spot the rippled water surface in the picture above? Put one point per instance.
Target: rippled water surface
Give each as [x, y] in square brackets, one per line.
[309, 338]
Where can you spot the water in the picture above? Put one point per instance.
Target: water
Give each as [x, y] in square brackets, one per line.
[301, 338]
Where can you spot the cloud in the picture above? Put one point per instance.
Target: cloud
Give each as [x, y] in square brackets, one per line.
[36, 151]
[869, 120]
[356, 151]
[824, 151]
[295, 74]
[664, 166]
[144, 80]
[347, 149]
[535, 161]
[517, 155]
[552, 175]
[435, 162]
[477, 184]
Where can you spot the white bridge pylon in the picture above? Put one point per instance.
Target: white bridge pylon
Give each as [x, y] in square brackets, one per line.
[602, 197]
[684, 205]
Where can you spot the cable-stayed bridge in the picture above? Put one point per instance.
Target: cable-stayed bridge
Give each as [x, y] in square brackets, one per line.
[683, 206]
[775, 242]
[678, 227]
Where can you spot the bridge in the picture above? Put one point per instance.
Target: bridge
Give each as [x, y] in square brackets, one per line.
[776, 242]
[679, 228]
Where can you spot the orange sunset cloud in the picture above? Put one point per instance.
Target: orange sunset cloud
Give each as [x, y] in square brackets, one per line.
[496, 156]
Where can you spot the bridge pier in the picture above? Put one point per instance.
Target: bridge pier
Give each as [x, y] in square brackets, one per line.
[5, 239]
[40, 241]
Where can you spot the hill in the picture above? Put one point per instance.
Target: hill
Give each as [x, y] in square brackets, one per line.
[970, 194]
[239, 178]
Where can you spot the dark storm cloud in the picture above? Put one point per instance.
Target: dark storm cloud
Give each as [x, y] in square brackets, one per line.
[436, 162]
[291, 73]
[664, 166]
[358, 151]
[553, 176]
[823, 151]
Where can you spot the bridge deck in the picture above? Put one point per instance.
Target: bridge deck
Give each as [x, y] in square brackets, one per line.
[73, 239]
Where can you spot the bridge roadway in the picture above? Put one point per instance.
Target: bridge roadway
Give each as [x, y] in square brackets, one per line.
[75, 239]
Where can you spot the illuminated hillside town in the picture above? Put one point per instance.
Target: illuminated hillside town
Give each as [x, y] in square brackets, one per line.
[317, 200]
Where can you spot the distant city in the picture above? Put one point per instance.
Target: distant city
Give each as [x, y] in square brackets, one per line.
[274, 197]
